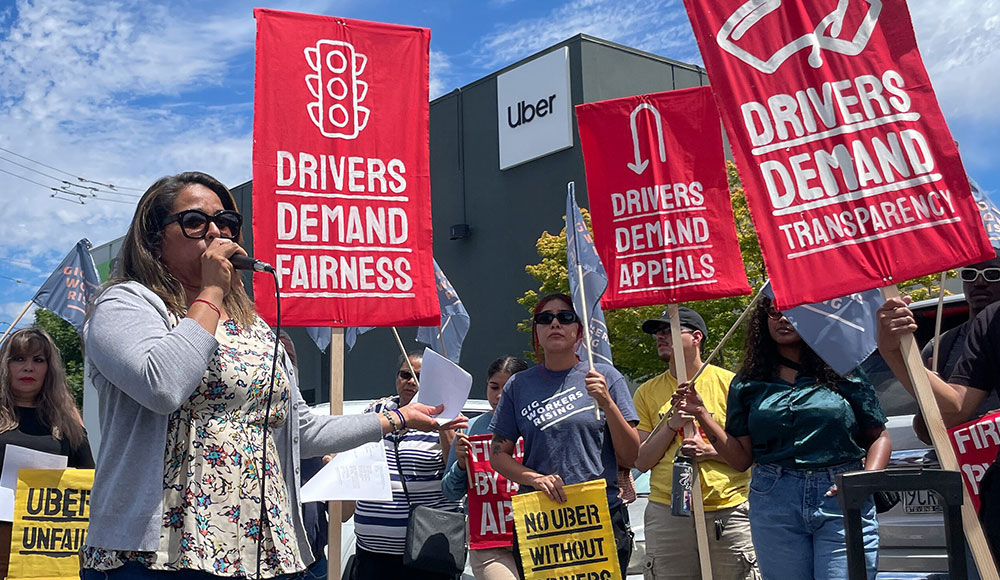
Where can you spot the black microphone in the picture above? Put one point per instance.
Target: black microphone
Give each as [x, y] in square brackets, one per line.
[241, 262]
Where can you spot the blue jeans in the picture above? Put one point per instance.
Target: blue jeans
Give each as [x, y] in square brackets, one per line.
[798, 532]
[136, 571]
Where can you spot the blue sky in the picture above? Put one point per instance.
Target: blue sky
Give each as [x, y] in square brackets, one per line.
[124, 92]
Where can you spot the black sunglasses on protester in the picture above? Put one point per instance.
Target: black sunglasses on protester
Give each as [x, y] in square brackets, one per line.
[407, 375]
[970, 274]
[773, 313]
[563, 316]
[194, 223]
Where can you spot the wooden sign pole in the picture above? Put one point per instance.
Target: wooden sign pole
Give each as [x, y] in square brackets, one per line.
[942, 446]
[333, 508]
[16, 320]
[697, 501]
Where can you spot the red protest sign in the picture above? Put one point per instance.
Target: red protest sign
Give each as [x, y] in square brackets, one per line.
[491, 521]
[341, 174]
[976, 445]
[851, 175]
[659, 199]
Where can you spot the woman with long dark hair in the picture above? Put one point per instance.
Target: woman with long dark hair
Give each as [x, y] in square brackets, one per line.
[552, 406]
[37, 410]
[801, 424]
[495, 563]
[182, 367]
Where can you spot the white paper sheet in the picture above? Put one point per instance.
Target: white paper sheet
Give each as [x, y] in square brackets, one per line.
[15, 459]
[361, 473]
[442, 381]
[6, 504]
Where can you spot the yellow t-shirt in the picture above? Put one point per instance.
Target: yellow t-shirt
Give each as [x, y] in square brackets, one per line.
[722, 486]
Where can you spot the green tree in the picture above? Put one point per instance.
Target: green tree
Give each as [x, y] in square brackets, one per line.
[68, 340]
[634, 351]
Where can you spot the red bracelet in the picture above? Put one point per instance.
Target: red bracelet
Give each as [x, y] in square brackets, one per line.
[210, 305]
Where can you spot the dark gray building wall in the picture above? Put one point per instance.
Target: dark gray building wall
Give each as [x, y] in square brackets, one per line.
[506, 210]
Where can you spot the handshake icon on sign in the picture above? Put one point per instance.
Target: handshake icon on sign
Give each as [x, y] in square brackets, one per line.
[752, 32]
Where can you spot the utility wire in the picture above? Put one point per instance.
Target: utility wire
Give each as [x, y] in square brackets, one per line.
[59, 190]
[24, 263]
[77, 177]
[66, 184]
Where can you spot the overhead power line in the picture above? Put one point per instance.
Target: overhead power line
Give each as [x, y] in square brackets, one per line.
[68, 184]
[24, 263]
[57, 190]
[73, 175]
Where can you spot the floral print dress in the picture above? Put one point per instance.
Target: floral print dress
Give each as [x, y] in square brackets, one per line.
[211, 480]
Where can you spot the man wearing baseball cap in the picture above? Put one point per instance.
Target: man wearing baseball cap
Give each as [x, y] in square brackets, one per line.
[671, 544]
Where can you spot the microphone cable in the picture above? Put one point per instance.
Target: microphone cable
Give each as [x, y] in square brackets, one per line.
[267, 416]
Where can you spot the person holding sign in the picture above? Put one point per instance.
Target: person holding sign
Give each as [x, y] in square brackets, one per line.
[801, 424]
[489, 563]
[671, 540]
[974, 378]
[551, 406]
[981, 287]
[37, 410]
[416, 459]
[182, 365]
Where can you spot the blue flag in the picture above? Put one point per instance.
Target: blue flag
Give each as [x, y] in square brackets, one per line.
[322, 335]
[841, 331]
[580, 251]
[446, 339]
[988, 211]
[70, 288]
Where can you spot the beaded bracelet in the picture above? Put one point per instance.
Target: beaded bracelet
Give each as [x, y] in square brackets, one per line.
[210, 305]
[402, 421]
[392, 421]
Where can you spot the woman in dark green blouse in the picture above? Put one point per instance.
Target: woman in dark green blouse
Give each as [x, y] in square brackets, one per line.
[800, 424]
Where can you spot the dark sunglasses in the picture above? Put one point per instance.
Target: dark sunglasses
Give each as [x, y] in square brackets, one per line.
[563, 316]
[407, 375]
[773, 313]
[194, 223]
[970, 274]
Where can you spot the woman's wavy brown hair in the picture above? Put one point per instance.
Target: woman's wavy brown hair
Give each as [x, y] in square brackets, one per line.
[139, 259]
[56, 406]
[761, 353]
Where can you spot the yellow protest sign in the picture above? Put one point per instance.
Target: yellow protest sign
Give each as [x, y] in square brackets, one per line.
[51, 513]
[567, 541]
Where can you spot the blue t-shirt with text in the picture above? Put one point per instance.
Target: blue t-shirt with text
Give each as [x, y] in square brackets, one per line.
[554, 414]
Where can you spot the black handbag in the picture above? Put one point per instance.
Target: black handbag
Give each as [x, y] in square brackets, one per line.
[436, 540]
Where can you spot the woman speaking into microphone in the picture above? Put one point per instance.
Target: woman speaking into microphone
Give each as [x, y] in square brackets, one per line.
[182, 365]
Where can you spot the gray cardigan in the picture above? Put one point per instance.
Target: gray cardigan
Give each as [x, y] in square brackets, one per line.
[144, 368]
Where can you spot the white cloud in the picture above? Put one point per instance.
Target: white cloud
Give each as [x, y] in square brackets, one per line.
[441, 80]
[659, 26]
[960, 45]
[84, 87]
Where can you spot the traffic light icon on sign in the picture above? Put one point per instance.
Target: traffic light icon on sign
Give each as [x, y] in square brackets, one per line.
[338, 90]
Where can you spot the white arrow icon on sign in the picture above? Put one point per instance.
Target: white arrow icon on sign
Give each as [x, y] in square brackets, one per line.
[639, 166]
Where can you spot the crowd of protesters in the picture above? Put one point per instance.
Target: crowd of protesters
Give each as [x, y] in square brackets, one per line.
[178, 357]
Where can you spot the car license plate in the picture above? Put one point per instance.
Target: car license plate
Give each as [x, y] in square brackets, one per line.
[920, 502]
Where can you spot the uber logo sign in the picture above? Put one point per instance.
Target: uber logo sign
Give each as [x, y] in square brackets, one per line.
[534, 109]
[526, 111]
